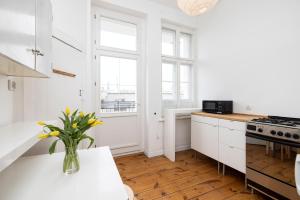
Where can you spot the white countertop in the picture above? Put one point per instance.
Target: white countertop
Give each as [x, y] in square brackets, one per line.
[41, 177]
[16, 139]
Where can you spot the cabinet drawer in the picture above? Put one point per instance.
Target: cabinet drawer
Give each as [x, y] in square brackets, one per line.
[232, 124]
[206, 120]
[233, 157]
[232, 137]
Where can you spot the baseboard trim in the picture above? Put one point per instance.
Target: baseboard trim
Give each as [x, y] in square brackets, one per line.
[183, 148]
[161, 152]
[154, 153]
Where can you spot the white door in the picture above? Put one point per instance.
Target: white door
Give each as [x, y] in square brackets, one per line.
[119, 73]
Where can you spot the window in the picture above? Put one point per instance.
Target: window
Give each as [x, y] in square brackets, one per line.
[118, 84]
[177, 66]
[185, 45]
[168, 81]
[118, 34]
[119, 56]
[185, 82]
[168, 42]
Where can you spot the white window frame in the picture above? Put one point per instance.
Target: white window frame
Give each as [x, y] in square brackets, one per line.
[178, 102]
[119, 53]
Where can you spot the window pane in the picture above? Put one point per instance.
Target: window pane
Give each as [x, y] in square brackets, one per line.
[118, 84]
[185, 45]
[118, 34]
[168, 81]
[168, 72]
[185, 73]
[185, 91]
[185, 81]
[168, 42]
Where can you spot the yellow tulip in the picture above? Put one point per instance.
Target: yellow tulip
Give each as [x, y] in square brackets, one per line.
[81, 114]
[74, 125]
[97, 123]
[68, 111]
[91, 121]
[43, 136]
[41, 123]
[54, 133]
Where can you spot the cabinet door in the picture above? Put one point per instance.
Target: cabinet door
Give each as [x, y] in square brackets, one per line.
[69, 22]
[17, 32]
[43, 36]
[204, 139]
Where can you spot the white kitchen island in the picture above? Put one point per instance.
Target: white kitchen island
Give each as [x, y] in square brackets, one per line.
[41, 177]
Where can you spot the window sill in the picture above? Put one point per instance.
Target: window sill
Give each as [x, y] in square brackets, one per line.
[115, 115]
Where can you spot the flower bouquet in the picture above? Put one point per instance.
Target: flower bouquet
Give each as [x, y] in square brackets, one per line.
[73, 132]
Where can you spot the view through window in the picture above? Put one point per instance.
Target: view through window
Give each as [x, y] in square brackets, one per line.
[118, 66]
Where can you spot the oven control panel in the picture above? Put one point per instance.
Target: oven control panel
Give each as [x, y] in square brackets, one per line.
[281, 132]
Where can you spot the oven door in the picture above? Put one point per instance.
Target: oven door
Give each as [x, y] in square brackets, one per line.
[272, 157]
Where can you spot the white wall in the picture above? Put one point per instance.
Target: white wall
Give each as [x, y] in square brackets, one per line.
[154, 14]
[11, 102]
[249, 52]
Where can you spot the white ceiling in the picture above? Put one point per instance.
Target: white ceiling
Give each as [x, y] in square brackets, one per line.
[171, 3]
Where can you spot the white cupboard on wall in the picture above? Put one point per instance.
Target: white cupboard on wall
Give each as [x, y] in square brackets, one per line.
[222, 140]
[69, 22]
[25, 37]
[44, 99]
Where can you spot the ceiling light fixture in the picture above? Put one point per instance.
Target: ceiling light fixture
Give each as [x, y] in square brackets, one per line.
[196, 7]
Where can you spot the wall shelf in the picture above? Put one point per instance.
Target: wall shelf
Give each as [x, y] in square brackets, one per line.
[15, 140]
[64, 73]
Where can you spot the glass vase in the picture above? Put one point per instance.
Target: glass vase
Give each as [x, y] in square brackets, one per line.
[71, 160]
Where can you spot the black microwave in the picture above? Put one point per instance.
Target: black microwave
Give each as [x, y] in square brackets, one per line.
[219, 107]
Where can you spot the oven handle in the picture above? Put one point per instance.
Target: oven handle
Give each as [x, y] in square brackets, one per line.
[262, 137]
[297, 173]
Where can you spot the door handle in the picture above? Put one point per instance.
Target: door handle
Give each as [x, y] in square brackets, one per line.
[297, 173]
[39, 53]
[31, 50]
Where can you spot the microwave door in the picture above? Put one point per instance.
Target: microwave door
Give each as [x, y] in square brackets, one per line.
[210, 106]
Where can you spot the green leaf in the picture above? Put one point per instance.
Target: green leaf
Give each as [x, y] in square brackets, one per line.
[83, 137]
[52, 147]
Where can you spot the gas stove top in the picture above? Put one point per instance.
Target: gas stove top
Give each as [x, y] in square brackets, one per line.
[279, 121]
[283, 128]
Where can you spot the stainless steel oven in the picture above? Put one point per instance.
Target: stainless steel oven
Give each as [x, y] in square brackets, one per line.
[271, 152]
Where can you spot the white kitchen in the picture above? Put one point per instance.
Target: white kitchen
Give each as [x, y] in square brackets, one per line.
[149, 99]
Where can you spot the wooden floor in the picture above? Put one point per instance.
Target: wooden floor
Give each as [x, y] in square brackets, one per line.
[186, 179]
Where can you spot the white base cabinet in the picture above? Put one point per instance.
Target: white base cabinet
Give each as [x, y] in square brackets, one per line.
[204, 139]
[222, 140]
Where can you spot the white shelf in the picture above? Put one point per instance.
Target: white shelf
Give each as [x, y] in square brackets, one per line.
[41, 177]
[16, 139]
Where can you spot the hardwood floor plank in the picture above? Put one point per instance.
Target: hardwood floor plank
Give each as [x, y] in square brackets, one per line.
[191, 177]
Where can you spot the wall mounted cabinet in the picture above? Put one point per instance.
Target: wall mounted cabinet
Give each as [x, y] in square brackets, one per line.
[25, 37]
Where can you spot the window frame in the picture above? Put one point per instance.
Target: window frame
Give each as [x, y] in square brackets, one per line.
[178, 102]
[118, 53]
